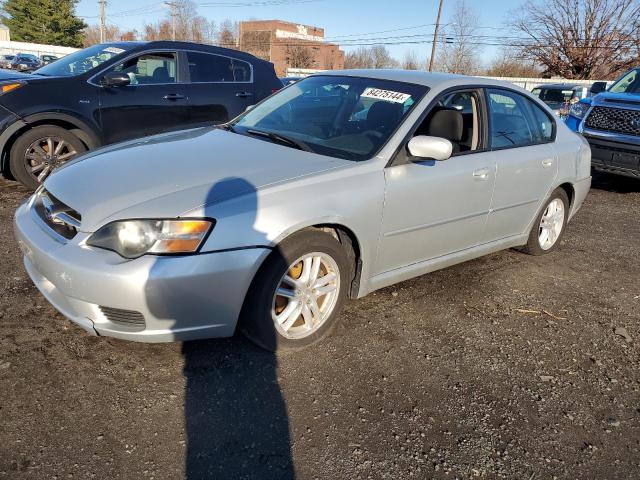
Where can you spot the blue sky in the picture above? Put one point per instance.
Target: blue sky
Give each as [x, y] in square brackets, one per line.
[339, 18]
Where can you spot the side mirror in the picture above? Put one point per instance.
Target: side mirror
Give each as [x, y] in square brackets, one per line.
[598, 87]
[115, 79]
[434, 148]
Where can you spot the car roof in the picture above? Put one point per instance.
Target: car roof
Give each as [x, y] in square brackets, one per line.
[191, 46]
[559, 86]
[418, 77]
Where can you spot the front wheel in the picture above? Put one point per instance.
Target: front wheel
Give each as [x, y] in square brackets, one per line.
[549, 225]
[297, 295]
[36, 153]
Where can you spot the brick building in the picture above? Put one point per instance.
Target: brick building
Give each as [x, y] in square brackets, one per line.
[290, 45]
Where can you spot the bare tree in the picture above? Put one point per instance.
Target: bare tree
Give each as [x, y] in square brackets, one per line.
[299, 56]
[372, 57]
[189, 26]
[461, 55]
[512, 64]
[91, 35]
[382, 58]
[410, 61]
[581, 38]
[360, 58]
[227, 35]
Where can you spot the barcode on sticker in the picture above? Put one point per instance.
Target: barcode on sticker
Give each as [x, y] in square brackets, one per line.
[387, 95]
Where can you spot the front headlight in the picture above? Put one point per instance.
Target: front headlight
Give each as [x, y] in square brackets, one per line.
[579, 109]
[134, 238]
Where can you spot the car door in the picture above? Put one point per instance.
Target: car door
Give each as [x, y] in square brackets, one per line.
[154, 101]
[521, 133]
[435, 208]
[219, 87]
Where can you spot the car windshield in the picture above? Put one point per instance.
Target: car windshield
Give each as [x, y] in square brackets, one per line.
[81, 61]
[629, 83]
[345, 117]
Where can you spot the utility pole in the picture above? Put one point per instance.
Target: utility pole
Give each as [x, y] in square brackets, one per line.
[103, 19]
[435, 37]
[173, 6]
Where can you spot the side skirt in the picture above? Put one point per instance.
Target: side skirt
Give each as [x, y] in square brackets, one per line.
[410, 271]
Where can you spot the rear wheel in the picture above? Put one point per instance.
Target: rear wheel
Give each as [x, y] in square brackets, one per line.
[36, 153]
[550, 224]
[298, 293]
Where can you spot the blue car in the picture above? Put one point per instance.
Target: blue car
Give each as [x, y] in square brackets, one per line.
[610, 121]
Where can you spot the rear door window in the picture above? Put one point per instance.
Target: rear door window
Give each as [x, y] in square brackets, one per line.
[207, 67]
[510, 126]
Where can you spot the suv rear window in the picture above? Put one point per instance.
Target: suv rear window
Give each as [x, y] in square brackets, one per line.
[207, 67]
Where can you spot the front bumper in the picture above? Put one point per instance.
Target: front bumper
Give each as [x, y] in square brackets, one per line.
[179, 298]
[613, 154]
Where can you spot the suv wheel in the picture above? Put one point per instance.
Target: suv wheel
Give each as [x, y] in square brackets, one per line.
[297, 295]
[36, 153]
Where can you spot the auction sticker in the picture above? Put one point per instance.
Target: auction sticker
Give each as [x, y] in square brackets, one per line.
[387, 95]
[115, 50]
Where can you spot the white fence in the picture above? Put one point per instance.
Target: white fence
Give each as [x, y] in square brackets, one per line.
[530, 83]
[8, 47]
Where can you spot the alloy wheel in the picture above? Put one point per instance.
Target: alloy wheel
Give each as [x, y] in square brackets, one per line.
[551, 224]
[306, 295]
[45, 154]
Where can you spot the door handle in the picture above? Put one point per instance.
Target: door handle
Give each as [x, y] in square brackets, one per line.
[547, 162]
[244, 94]
[481, 174]
[173, 96]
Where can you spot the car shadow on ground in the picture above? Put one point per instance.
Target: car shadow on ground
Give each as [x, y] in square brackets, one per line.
[236, 419]
[615, 183]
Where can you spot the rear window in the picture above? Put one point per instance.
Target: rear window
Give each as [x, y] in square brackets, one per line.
[207, 67]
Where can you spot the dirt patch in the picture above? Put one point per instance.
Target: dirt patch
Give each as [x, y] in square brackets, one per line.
[509, 366]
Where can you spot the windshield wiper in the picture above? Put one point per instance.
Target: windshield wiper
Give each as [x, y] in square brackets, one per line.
[226, 126]
[281, 139]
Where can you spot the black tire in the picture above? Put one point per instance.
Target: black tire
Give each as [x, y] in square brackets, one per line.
[533, 244]
[255, 320]
[19, 164]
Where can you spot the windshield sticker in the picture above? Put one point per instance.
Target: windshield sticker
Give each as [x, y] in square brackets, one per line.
[113, 50]
[387, 95]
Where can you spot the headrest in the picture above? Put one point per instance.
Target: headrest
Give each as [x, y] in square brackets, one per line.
[446, 123]
[384, 113]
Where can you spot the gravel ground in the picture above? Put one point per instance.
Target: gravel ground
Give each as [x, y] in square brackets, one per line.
[509, 366]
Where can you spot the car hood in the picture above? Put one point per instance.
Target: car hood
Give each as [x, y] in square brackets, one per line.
[7, 75]
[167, 175]
[607, 97]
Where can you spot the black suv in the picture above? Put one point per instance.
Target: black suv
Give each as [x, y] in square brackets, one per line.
[118, 91]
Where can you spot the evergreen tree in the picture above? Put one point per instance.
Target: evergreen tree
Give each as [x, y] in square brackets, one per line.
[50, 22]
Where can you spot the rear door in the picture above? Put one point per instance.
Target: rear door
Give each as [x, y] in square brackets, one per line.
[153, 102]
[520, 137]
[219, 87]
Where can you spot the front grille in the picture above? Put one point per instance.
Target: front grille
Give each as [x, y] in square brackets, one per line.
[129, 318]
[617, 120]
[60, 218]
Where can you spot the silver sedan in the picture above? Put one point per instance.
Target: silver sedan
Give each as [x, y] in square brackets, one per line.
[336, 186]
